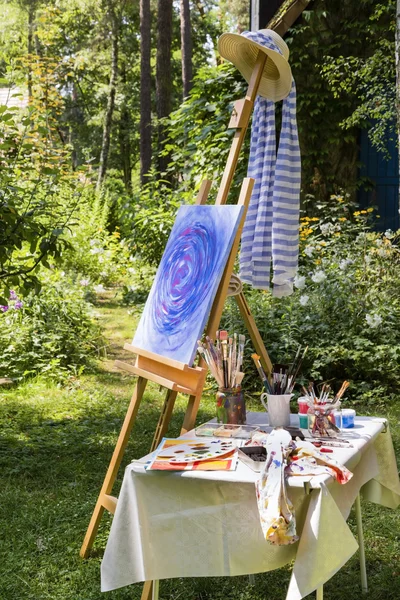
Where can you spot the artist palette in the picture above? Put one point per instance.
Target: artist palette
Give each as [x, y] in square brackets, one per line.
[196, 451]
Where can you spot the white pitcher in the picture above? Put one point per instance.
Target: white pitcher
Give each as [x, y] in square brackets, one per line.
[278, 408]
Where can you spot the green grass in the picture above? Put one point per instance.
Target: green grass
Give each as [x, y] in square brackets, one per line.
[55, 445]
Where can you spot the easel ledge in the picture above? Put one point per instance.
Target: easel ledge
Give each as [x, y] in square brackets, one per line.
[167, 372]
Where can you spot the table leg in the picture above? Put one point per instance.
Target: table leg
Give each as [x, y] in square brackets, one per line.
[156, 589]
[360, 535]
[320, 593]
[252, 580]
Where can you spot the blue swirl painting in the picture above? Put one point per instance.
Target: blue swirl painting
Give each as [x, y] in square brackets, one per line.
[187, 280]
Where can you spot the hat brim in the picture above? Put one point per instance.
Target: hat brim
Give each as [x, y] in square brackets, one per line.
[276, 80]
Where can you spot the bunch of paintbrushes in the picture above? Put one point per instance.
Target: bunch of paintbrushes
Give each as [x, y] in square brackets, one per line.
[324, 394]
[283, 377]
[224, 358]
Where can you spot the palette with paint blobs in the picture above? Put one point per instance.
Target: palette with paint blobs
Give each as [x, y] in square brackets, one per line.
[243, 432]
[196, 451]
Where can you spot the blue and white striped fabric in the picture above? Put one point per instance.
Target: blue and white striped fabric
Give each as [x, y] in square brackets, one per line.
[271, 231]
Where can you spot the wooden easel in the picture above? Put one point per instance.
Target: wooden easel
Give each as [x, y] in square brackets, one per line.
[173, 375]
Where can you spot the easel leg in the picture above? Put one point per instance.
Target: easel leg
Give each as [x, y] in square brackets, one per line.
[104, 499]
[147, 591]
[253, 331]
[164, 419]
[363, 569]
[320, 593]
[191, 413]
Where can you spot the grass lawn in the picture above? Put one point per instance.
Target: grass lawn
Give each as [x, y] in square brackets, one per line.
[55, 445]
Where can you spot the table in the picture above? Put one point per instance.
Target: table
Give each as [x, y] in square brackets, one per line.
[204, 523]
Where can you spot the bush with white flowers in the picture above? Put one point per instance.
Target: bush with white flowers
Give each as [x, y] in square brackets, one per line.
[345, 305]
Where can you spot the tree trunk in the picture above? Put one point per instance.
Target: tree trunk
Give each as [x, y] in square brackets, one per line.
[125, 136]
[145, 90]
[397, 51]
[186, 48]
[105, 146]
[163, 72]
[31, 18]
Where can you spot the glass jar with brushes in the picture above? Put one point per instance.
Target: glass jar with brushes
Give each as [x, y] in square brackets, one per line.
[321, 411]
[231, 407]
[321, 420]
[225, 361]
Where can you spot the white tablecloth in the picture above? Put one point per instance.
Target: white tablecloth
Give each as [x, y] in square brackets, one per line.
[206, 523]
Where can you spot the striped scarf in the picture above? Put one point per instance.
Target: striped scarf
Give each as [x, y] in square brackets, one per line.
[271, 230]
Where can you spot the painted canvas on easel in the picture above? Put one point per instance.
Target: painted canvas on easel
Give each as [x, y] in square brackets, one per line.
[187, 280]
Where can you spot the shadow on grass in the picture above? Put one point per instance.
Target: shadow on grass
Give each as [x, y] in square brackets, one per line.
[79, 444]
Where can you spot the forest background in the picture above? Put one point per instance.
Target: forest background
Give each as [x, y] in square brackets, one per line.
[117, 111]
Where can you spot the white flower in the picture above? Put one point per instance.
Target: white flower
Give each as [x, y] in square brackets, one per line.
[389, 234]
[368, 259]
[84, 282]
[101, 259]
[318, 276]
[94, 250]
[309, 250]
[361, 237]
[345, 263]
[300, 282]
[108, 253]
[93, 242]
[99, 288]
[304, 299]
[382, 252]
[326, 228]
[62, 274]
[131, 270]
[373, 320]
[378, 242]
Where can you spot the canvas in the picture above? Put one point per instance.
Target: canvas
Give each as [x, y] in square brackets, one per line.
[187, 280]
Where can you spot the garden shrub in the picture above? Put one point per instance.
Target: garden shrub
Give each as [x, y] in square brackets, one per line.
[346, 306]
[95, 255]
[51, 333]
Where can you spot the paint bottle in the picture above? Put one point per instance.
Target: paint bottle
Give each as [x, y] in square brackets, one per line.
[348, 416]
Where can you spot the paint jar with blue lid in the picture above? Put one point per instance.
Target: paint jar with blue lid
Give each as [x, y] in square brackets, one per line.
[348, 416]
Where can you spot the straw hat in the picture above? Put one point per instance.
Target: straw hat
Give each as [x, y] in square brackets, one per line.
[242, 51]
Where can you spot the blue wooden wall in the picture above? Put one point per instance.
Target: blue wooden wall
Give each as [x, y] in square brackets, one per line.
[384, 175]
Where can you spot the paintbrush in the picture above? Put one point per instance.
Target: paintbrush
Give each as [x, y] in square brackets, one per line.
[204, 352]
[239, 378]
[239, 362]
[230, 351]
[292, 366]
[211, 347]
[342, 390]
[261, 373]
[234, 356]
[296, 370]
[223, 336]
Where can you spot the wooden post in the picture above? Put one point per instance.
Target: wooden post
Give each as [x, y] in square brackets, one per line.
[241, 115]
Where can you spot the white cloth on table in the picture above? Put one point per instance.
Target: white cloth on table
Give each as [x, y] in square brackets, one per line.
[204, 524]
